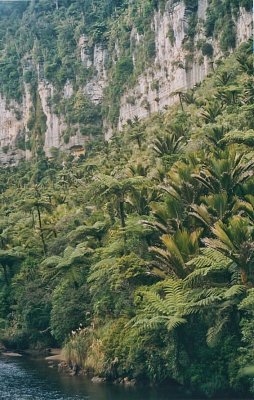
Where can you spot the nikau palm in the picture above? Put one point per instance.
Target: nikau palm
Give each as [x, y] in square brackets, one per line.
[176, 252]
[236, 241]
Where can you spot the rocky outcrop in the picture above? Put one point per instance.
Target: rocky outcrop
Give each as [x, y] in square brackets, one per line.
[96, 59]
[174, 69]
[12, 118]
[54, 124]
[244, 26]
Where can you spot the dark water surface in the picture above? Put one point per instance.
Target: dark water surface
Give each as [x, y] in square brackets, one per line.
[23, 379]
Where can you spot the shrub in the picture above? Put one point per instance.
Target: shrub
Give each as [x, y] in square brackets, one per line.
[228, 36]
[207, 50]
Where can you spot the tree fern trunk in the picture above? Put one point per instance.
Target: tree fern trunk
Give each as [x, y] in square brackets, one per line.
[41, 231]
[6, 279]
[122, 214]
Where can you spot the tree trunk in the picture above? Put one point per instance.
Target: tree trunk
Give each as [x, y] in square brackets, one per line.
[181, 102]
[122, 215]
[33, 221]
[41, 230]
[177, 354]
[6, 279]
[244, 277]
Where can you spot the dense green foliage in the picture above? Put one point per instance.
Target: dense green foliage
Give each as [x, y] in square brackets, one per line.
[139, 257]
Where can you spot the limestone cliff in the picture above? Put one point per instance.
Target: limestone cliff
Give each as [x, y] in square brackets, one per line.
[172, 71]
[175, 67]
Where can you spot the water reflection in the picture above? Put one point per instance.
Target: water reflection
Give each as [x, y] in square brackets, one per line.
[23, 379]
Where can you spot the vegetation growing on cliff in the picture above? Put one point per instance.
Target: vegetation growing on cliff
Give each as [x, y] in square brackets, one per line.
[40, 41]
[138, 257]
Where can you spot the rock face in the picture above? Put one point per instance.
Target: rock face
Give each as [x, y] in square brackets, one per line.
[55, 124]
[172, 70]
[52, 134]
[244, 26]
[95, 59]
[12, 119]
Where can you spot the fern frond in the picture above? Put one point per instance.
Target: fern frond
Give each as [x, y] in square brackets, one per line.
[101, 270]
[208, 297]
[155, 304]
[216, 256]
[234, 291]
[214, 333]
[175, 322]
[199, 275]
[51, 261]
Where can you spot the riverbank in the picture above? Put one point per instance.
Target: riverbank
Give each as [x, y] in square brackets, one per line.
[54, 367]
[24, 377]
[55, 359]
[50, 355]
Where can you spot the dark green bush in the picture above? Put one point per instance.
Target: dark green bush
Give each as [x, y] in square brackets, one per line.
[207, 50]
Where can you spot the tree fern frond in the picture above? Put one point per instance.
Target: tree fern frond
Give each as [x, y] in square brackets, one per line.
[214, 333]
[207, 301]
[199, 275]
[102, 269]
[51, 261]
[175, 322]
[200, 262]
[155, 303]
[207, 298]
[216, 256]
[142, 324]
[233, 291]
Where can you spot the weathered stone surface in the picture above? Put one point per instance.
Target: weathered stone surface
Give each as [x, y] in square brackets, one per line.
[170, 72]
[98, 379]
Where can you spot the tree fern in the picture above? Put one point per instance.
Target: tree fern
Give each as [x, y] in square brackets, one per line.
[167, 308]
[206, 267]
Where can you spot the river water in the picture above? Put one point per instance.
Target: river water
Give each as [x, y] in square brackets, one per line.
[23, 379]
